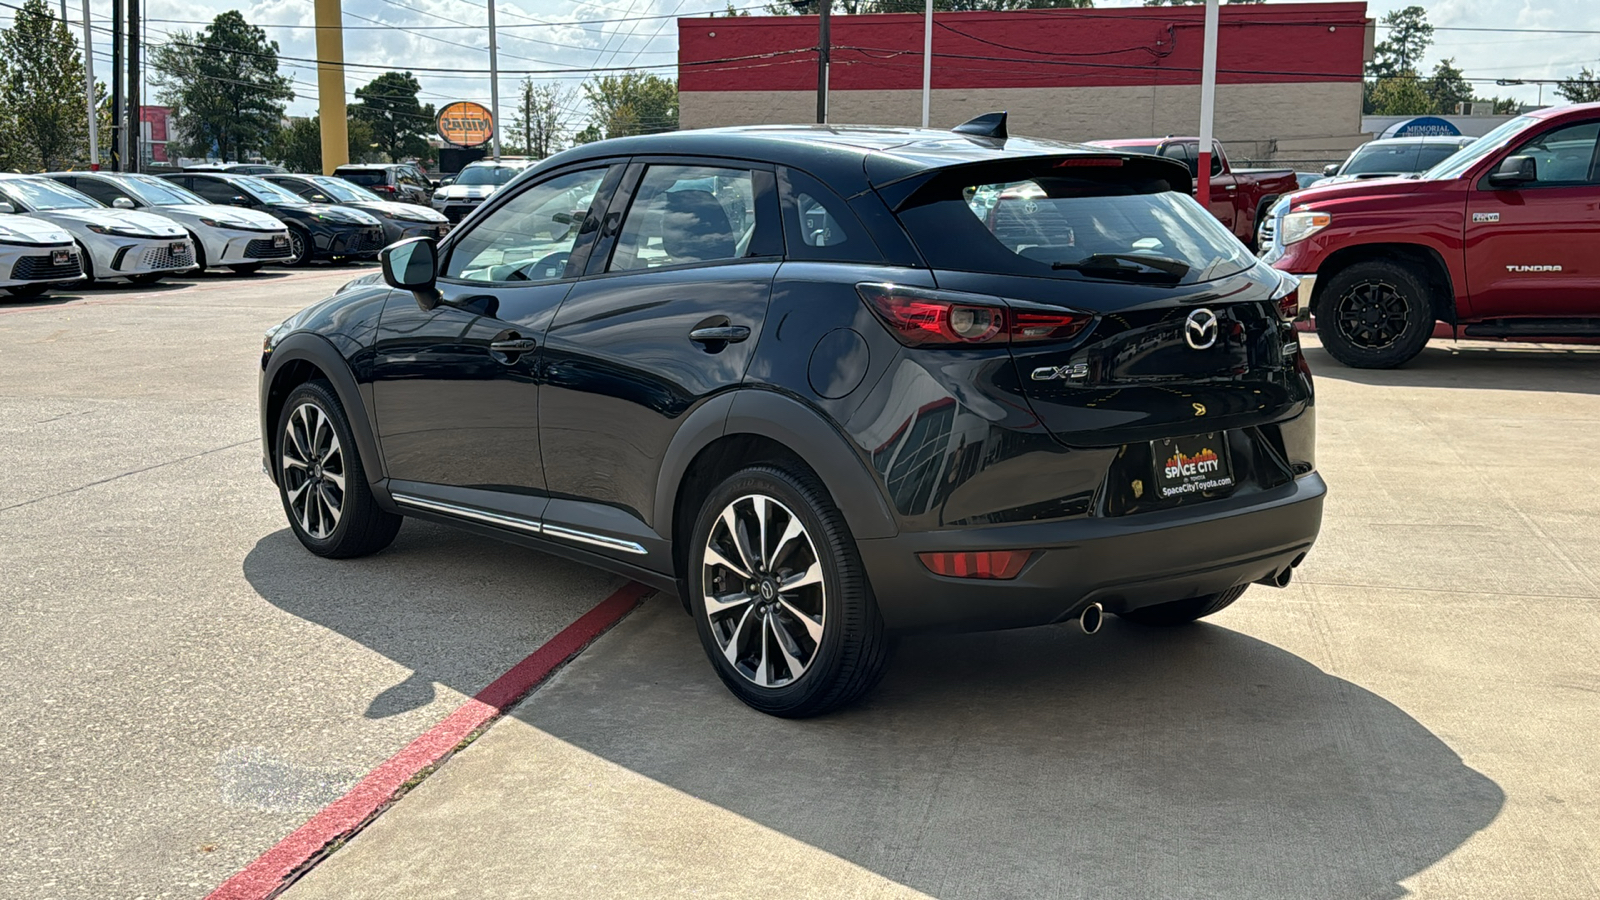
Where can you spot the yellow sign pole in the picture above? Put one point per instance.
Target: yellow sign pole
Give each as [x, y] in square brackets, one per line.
[330, 86]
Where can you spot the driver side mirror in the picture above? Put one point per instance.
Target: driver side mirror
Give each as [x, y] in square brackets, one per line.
[1330, 170]
[122, 203]
[1515, 171]
[318, 198]
[239, 200]
[413, 265]
[6, 208]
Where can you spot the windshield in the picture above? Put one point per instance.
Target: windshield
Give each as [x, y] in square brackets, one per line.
[340, 189]
[1076, 226]
[268, 192]
[1462, 160]
[1382, 159]
[486, 175]
[156, 192]
[40, 194]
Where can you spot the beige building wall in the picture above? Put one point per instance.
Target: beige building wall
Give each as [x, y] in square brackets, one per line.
[1305, 120]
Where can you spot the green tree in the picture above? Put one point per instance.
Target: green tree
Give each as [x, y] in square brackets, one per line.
[1401, 94]
[540, 117]
[632, 103]
[45, 119]
[299, 146]
[223, 85]
[1585, 88]
[1410, 36]
[389, 105]
[1447, 88]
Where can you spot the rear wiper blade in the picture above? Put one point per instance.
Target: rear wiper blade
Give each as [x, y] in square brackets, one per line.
[1112, 263]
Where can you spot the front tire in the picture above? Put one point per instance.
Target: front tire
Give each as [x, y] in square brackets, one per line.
[320, 479]
[147, 278]
[246, 268]
[780, 597]
[1374, 315]
[28, 291]
[299, 248]
[1182, 612]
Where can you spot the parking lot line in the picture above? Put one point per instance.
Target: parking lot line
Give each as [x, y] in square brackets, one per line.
[277, 868]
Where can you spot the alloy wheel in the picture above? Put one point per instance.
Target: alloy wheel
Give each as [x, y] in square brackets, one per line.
[763, 589]
[1373, 315]
[297, 247]
[313, 470]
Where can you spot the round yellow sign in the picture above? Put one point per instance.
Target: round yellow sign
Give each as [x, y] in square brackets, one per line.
[465, 124]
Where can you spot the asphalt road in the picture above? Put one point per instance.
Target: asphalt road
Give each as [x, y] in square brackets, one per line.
[181, 685]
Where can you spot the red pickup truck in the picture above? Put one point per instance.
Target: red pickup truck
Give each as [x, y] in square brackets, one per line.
[1501, 240]
[1239, 197]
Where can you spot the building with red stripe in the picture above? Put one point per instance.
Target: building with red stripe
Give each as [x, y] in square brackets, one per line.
[1288, 79]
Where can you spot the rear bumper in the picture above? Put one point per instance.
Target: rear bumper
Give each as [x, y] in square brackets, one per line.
[1121, 562]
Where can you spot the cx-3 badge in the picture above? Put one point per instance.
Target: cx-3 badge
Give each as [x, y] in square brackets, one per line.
[1200, 331]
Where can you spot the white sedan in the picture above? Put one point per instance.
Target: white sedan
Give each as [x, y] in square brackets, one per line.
[243, 240]
[35, 256]
[117, 243]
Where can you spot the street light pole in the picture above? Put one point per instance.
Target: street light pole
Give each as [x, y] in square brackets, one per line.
[927, 62]
[1208, 102]
[88, 82]
[494, 86]
[135, 116]
[116, 85]
[825, 7]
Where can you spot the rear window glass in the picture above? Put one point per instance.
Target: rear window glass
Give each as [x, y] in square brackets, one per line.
[1071, 226]
[365, 179]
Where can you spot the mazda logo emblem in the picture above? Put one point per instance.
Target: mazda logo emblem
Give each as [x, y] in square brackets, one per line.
[1200, 330]
[766, 590]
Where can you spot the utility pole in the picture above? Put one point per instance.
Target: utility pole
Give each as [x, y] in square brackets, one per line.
[823, 51]
[1208, 102]
[494, 86]
[116, 85]
[135, 116]
[330, 85]
[88, 82]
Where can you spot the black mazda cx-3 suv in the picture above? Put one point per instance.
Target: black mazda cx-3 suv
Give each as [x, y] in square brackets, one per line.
[826, 384]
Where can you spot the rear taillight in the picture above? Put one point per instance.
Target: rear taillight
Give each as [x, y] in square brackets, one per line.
[997, 565]
[385, 188]
[1289, 305]
[923, 317]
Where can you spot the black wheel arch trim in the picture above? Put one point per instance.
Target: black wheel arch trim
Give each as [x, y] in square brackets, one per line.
[320, 352]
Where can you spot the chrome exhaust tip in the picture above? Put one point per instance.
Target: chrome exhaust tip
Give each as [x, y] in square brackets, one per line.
[1278, 579]
[1092, 617]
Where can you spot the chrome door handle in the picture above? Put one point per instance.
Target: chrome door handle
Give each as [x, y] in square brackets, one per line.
[1230, 187]
[731, 334]
[519, 345]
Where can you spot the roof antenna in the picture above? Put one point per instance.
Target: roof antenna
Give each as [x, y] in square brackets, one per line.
[989, 125]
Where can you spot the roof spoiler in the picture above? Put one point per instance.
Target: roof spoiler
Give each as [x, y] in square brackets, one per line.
[988, 125]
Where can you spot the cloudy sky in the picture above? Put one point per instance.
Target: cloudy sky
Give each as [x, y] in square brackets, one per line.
[547, 35]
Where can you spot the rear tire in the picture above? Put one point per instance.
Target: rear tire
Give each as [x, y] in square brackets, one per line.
[321, 482]
[809, 638]
[1182, 612]
[1374, 315]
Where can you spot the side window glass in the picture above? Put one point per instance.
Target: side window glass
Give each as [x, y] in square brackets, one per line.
[1216, 159]
[819, 225]
[530, 238]
[98, 189]
[687, 214]
[1564, 156]
[214, 191]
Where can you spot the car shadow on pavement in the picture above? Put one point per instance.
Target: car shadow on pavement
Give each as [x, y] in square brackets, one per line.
[454, 608]
[1196, 762]
[1573, 368]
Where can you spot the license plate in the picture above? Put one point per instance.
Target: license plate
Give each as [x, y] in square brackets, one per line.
[280, 240]
[1194, 466]
[60, 257]
[178, 247]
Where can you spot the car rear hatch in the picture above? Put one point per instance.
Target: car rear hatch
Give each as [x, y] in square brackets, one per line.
[1183, 332]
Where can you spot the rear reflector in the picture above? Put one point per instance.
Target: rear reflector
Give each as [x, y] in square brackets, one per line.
[997, 565]
[922, 317]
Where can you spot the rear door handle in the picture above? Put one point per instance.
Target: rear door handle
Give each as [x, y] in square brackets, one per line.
[731, 334]
[518, 345]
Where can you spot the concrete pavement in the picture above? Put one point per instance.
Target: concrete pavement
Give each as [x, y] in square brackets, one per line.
[181, 685]
[1417, 715]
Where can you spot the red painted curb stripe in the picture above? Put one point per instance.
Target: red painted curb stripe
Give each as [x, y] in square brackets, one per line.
[344, 817]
